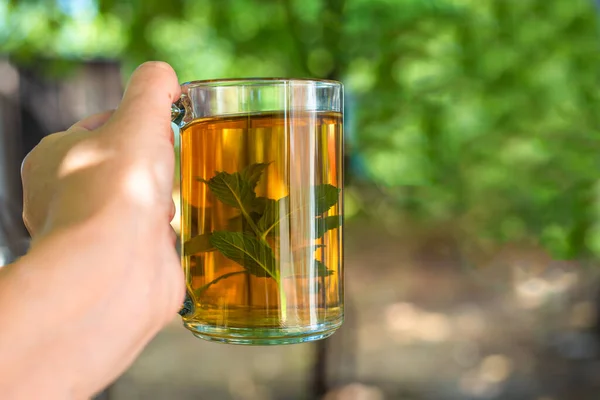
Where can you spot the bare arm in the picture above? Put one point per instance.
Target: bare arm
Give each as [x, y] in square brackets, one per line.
[102, 276]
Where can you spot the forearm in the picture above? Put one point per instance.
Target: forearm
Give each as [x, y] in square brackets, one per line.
[46, 334]
[102, 276]
[31, 359]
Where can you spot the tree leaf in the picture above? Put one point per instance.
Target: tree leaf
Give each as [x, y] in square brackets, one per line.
[233, 190]
[326, 196]
[326, 224]
[253, 172]
[197, 244]
[254, 255]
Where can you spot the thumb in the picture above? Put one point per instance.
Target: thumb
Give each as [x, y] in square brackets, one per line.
[146, 104]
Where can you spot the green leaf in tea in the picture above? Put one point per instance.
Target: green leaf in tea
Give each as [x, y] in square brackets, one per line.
[325, 224]
[235, 191]
[326, 196]
[310, 249]
[254, 255]
[304, 255]
[240, 224]
[259, 205]
[272, 215]
[203, 288]
[253, 172]
[244, 241]
[322, 270]
[197, 244]
[232, 189]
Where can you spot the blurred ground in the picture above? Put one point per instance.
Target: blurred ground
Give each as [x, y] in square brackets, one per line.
[419, 325]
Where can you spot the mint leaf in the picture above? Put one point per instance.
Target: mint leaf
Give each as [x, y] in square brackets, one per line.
[272, 214]
[326, 196]
[244, 241]
[304, 255]
[197, 244]
[322, 270]
[232, 189]
[254, 255]
[306, 249]
[319, 267]
[326, 224]
[253, 172]
[240, 224]
[259, 205]
[198, 292]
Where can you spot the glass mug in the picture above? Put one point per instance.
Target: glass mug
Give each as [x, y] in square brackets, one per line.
[262, 209]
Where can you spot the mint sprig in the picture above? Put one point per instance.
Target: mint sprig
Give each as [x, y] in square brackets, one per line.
[245, 241]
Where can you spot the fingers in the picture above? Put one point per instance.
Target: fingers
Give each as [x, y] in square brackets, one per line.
[92, 122]
[146, 105]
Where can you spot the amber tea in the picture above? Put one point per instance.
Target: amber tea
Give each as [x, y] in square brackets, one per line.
[262, 226]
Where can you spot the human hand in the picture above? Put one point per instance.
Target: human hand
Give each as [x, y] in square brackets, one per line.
[73, 175]
[97, 201]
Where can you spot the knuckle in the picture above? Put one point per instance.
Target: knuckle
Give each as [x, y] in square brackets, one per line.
[49, 140]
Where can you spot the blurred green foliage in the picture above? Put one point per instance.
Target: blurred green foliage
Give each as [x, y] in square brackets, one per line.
[485, 113]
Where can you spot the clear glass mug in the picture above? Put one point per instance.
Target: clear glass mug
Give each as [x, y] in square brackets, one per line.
[262, 209]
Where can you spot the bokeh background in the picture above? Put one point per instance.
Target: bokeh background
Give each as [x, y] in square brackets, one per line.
[472, 193]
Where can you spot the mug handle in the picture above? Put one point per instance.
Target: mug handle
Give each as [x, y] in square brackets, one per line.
[177, 114]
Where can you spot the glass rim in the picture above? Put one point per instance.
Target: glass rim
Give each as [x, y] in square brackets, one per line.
[229, 82]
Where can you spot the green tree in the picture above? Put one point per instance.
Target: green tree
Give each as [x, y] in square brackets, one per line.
[480, 111]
